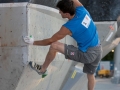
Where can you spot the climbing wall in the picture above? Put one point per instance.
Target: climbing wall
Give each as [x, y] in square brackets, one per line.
[13, 52]
[24, 19]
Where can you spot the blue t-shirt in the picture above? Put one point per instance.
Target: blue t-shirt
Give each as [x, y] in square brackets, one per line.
[83, 29]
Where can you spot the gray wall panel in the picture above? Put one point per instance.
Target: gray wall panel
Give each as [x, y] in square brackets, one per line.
[12, 24]
[11, 66]
[107, 32]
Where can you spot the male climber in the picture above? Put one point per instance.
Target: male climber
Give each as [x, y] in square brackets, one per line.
[79, 26]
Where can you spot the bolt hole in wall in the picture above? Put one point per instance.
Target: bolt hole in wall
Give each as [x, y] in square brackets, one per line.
[0, 41]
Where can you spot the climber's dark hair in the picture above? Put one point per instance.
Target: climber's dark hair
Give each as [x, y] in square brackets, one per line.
[66, 6]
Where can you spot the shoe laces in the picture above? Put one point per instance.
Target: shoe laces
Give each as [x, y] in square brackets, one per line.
[38, 67]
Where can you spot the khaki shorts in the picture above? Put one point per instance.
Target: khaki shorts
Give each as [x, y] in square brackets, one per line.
[91, 58]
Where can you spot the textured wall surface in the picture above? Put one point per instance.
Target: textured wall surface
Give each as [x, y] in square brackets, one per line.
[13, 53]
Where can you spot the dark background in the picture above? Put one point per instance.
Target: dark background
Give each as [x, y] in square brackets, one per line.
[100, 10]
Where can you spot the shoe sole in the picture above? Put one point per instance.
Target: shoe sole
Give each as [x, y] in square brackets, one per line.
[43, 74]
[30, 63]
